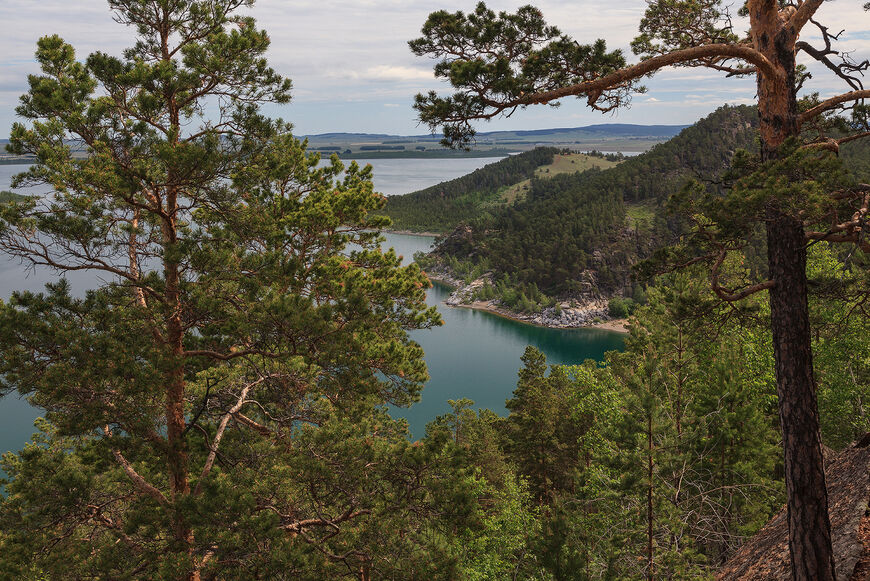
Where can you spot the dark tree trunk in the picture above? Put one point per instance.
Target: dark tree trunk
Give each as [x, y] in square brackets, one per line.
[650, 574]
[812, 557]
[808, 523]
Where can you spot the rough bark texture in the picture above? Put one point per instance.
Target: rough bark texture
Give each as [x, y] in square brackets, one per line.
[808, 524]
[809, 528]
[765, 557]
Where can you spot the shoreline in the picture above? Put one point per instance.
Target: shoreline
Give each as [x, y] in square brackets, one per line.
[410, 233]
[610, 325]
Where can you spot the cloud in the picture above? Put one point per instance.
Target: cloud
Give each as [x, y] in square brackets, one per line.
[391, 73]
[352, 55]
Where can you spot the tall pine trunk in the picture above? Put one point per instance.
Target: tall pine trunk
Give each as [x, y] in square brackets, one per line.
[176, 423]
[650, 566]
[809, 526]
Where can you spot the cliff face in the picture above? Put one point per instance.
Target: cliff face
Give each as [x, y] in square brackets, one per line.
[765, 556]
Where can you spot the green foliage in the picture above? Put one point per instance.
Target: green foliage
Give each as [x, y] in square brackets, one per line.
[511, 54]
[7, 197]
[840, 349]
[551, 237]
[796, 190]
[671, 25]
[676, 436]
[442, 207]
[695, 425]
[498, 549]
[620, 308]
[216, 404]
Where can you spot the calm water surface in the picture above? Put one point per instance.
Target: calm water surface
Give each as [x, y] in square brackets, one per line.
[402, 176]
[474, 355]
[477, 354]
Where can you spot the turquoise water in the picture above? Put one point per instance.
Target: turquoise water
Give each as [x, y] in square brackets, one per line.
[475, 355]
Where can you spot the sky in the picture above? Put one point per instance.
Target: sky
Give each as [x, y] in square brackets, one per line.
[352, 70]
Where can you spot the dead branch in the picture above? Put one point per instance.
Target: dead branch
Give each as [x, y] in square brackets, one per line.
[831, 103]
[729, 295]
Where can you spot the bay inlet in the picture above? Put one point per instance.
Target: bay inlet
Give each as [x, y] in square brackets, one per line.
[475, 355]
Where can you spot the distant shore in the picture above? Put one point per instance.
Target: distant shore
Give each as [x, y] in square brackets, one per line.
[434, 154]
[411, 233]
[615, 325]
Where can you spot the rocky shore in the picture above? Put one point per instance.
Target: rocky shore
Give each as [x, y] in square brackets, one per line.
[568, 315]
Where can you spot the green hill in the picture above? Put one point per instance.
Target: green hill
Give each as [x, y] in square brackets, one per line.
[6, 197]
[442, 207]
[571, 230]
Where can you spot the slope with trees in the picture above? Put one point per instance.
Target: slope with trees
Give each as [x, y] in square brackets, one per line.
[499, 63]
[662, 462]
[571, 226]
[657, 464]
[442, 206]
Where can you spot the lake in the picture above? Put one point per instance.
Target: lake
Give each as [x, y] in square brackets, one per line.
[477, 354]
[474, 355]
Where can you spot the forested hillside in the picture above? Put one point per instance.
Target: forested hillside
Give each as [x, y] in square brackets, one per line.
[6, 197]
[856, 156]
[701, 149]
[575, 223]
[667, 456]
[444, 205]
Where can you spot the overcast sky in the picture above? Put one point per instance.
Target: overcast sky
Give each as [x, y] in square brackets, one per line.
[352, 70]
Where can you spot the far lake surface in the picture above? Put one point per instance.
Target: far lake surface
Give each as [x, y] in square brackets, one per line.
[475, 355]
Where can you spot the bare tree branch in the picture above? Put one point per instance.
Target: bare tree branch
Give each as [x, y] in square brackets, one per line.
[854, 137]
[301, 525]
[733, 295]
[138, 481]
[213, 449]
[251, 423]
[829, 104]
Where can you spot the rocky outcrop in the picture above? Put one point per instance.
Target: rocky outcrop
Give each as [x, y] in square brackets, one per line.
[464, 293]
[581, 314]
[567, 315]
[765, 556]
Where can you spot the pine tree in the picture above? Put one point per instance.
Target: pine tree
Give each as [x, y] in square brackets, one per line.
[697, 446]
[213, 405]
[499, 63]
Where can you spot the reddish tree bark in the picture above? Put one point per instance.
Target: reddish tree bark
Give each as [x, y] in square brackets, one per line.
[809, 525]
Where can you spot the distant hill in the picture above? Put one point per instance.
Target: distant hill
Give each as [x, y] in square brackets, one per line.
[607, 129]
[572, 229]
[6, 197]
[442, 207]
[349, 136]
[639, 130]
[605, 137]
